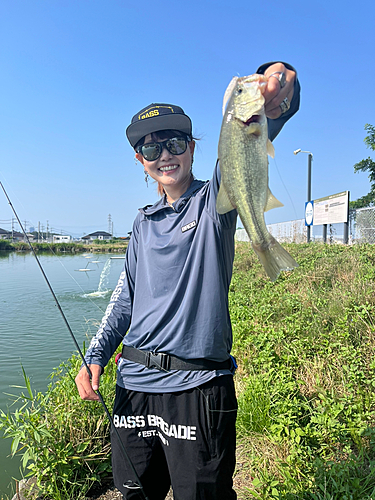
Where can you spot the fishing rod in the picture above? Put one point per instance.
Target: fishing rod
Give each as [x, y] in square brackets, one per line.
[138, 482]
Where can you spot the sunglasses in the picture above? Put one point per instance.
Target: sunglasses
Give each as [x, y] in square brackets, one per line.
[152, 151]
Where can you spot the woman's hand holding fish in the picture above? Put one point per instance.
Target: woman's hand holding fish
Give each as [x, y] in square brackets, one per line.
[274, 94]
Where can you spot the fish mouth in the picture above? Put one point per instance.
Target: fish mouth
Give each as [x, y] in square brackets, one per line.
[252, 119]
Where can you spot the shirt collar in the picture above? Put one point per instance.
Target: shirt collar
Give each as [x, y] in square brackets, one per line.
[178, 205]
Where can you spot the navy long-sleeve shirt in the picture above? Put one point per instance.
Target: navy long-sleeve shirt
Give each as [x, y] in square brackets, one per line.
[172, 295]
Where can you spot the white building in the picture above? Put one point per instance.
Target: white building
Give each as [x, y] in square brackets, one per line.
[59, 238]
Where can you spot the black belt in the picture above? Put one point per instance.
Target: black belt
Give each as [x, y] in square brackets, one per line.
[163, 361]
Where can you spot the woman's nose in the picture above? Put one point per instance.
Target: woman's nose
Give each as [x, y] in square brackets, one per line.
[165, 154]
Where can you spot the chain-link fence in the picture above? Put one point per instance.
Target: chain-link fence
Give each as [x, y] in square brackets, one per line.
[362, 225]
[361, 229]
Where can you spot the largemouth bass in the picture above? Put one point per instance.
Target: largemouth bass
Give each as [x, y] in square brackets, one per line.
[243, 155]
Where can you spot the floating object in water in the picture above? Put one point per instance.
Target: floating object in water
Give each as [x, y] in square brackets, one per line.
[96, 294]
[85, 268]
[118, 257]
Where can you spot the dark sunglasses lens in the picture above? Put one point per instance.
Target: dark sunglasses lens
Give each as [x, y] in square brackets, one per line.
[177, 145]
[151, 152]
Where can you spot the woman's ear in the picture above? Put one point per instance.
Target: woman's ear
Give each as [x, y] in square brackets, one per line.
[139, 157]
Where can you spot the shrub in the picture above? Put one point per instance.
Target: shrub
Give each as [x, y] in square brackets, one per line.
[5, 245]
[63, 441]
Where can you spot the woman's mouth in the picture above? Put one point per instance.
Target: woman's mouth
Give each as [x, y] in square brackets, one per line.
[168, 168]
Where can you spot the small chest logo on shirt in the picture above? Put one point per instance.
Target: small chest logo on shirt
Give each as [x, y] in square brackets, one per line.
[189, 226]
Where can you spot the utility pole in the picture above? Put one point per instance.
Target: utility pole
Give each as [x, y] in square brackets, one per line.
[38, 231]
[47, 232]
[310, 158]
[110, 225]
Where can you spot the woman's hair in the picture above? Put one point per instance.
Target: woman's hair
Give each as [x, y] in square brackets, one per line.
[162, 135]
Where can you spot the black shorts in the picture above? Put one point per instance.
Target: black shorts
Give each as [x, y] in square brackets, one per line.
[185, 439]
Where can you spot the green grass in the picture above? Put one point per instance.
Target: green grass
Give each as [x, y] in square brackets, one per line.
[305, 347]
[63, 441]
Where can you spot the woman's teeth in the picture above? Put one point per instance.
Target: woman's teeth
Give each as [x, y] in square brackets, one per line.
[170, 167]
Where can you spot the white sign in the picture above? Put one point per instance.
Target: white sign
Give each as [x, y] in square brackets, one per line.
[309, 213]
[332, 209]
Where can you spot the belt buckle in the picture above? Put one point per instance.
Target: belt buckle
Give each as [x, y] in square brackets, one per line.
[159, 360]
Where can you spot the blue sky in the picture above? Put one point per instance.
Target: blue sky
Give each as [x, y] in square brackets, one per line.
[74, 73]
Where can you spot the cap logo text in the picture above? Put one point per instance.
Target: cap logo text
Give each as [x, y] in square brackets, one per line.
[155, 112]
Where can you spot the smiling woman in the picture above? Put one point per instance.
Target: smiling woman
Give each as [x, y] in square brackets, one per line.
[176, 368]
[167, 156]
[166, 152]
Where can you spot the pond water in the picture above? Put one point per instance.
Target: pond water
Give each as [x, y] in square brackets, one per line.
[33, 334]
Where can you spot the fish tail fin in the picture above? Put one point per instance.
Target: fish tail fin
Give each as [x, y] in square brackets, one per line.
[274, 258]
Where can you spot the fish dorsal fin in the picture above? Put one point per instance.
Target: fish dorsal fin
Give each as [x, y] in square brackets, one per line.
[272, 202]
[229, 91]
[270, 149]
[223, 204]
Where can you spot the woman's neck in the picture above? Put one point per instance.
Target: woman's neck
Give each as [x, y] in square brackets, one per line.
[174, 193]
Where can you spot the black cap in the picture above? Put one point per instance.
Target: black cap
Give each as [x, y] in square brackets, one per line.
[157, 117]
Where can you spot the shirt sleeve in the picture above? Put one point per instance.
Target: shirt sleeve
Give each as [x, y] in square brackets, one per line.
[116, 320]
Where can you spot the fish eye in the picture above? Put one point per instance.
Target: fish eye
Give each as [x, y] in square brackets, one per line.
[239, 90]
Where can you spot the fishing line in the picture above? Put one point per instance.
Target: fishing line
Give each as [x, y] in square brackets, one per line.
[290, 198]
[122, 447]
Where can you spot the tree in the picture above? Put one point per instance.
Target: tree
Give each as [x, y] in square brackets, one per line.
[367, 165]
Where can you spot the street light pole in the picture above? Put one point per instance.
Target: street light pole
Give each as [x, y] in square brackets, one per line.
[309, 165]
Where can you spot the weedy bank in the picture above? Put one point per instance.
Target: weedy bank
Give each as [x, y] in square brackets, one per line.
[96, 246]
[305, 348]
[63, 441]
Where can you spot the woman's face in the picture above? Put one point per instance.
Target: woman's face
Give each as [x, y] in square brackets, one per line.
[172, 171]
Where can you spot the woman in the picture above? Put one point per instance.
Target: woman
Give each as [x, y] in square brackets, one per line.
[175, 405]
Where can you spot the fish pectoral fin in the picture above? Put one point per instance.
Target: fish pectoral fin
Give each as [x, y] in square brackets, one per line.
[223, 203]
[272, 202]
[270, 149]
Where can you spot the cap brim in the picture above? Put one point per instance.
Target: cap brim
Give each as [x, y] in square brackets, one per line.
[174, 121]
